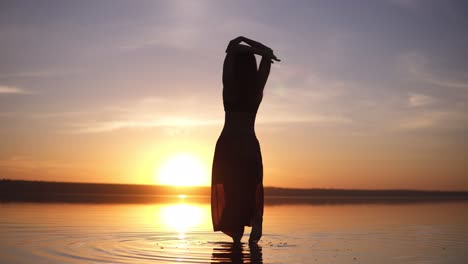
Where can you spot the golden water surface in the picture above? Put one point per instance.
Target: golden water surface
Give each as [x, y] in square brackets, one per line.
[180, 232]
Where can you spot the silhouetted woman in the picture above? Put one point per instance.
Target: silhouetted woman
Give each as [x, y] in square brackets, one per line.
[237, 176]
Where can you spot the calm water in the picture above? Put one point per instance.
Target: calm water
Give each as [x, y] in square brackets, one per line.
[181, 232]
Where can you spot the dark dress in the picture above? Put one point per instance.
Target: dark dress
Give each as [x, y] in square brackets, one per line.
[237, 173]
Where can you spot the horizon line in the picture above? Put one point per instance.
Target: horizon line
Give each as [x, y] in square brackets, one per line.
[209, 186]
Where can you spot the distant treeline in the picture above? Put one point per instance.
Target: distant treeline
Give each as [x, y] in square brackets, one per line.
[40, 191]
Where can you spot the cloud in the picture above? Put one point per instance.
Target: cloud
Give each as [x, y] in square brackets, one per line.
[6, 90]
[187, 121]
[416, 100]
[433, 119]
[35, 74]
[295, 95]
[310, 118]
[23, 163]
[182, 38]
[189, 27]
[300, 85]
[185, 27]
[417, 66]
[161, 112]
[148, 113]
[108, 126]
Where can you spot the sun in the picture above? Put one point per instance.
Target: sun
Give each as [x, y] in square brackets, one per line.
[183, 169]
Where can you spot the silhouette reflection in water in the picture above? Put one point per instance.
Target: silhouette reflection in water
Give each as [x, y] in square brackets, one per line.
[236, 253]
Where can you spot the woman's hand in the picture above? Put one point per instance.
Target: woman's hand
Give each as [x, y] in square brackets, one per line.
[254, 47]
[272, 56]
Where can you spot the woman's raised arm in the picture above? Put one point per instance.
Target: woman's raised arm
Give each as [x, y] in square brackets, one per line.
[254, 47]
[264, 71]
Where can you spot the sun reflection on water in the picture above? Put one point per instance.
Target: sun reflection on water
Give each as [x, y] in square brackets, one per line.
[183, 218]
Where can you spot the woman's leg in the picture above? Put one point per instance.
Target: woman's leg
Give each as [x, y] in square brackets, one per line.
[257, 220]
[236, 235]
[256, 232]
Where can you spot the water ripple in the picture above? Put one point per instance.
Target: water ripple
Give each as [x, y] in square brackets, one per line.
[127, 247]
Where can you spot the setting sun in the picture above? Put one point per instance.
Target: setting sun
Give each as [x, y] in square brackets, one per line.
[183, 169]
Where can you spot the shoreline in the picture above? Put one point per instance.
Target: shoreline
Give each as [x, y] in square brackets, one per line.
[65, 192]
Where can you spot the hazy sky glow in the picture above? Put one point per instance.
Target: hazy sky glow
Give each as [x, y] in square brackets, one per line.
[370, 94]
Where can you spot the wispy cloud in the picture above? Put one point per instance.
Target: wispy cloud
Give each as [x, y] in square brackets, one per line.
[35, 74]
[418, 67]
[160, 112]
[179, 38]
[6, 90]
[416, 100]
[109, 126]
[295, 95]
[190, 122]
[433, 119]
[296, 84]
[182, 30]
[311, 118]
[24, 163]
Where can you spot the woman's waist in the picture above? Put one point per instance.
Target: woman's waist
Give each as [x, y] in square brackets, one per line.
[239, 122]
[244, 144]
[238, 132]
